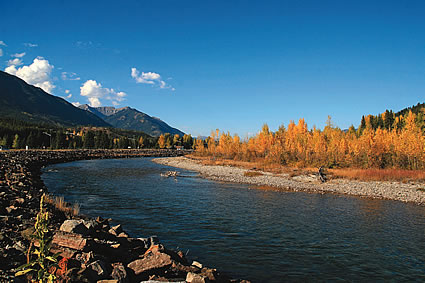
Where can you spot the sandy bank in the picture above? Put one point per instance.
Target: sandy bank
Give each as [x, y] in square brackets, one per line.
[409, 192]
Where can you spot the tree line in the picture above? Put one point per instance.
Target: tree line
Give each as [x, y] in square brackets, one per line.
[19, 134]
[384, 141]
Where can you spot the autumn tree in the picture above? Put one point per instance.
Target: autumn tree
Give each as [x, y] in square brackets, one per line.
[161, 141]
[16, 141]
[141, 141]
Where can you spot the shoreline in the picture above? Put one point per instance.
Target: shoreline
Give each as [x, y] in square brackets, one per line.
[404, 192]
[95, 249]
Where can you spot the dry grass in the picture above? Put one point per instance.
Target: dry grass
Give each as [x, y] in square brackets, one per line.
[252, 174]
[253, 165]
[63, 206]
[398, 175]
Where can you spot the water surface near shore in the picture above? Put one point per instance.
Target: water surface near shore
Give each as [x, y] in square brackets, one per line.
[261, 235]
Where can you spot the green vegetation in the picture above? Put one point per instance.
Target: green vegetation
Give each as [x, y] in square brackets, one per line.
[17, 134]
[390, 120]
[42, 263]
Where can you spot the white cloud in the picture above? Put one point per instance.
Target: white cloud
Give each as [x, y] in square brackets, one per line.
[70, 76]
[76, 104]
[19, 55]
[95, 92]
[38, 73]
[1, 50]
[69, 94]
[14, 62]
[27, 44]
[86, 44]
[149, 78]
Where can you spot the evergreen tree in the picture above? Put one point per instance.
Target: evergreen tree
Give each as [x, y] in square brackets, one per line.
[362, 125]
[88, 140]
[30, 140]
[60, 140]
[124, 143]
[379, 122]
[187, 141]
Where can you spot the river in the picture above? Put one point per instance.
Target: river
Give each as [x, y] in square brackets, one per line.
[256, 234]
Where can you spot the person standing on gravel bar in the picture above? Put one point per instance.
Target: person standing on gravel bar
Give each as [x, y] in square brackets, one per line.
[322, 175]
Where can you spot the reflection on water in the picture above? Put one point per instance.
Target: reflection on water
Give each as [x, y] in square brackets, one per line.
[262, 235]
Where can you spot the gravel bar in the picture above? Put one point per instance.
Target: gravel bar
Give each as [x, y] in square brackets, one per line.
[412, 192]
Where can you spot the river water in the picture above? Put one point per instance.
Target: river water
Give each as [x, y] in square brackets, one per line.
[256, 234]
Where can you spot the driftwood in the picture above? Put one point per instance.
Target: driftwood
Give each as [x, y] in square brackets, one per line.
[322, 175]
[170, 174]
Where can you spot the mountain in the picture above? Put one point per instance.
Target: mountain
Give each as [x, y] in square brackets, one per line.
[21, 101]
[132, 119]
[101, 112]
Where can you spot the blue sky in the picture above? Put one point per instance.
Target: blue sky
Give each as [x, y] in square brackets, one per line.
[232, 65]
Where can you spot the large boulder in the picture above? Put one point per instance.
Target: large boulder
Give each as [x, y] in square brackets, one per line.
[70, 240]
[74, 226]
[150, 262]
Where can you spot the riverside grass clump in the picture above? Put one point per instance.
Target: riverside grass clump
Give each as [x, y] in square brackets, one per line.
[41, 264]
[62, 205]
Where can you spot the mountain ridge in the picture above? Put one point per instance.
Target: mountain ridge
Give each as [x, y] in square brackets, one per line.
[132, 119]
[22, 101]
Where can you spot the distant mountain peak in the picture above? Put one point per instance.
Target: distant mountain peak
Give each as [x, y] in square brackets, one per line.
[132, 119]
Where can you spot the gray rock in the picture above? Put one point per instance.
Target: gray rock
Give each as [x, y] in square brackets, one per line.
[151, 261]
[74, 226]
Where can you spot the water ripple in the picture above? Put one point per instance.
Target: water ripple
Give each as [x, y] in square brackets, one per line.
[265, 236]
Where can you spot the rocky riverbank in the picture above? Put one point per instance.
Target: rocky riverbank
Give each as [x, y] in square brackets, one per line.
[94, 250]
[406, 192]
